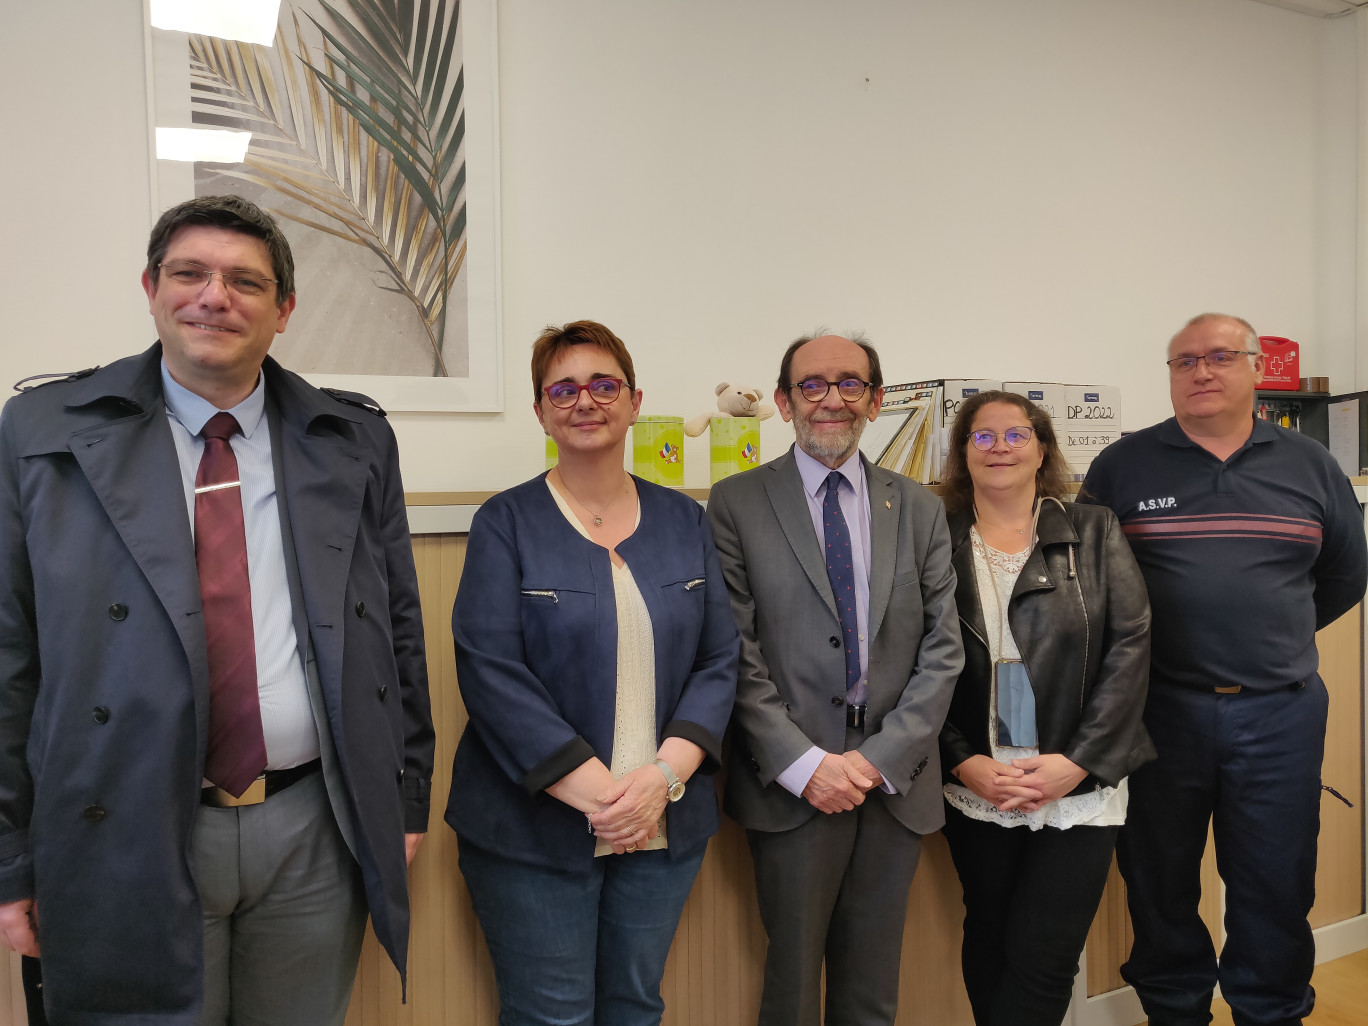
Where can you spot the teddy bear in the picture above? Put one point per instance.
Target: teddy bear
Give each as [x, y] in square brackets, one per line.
[733, 401]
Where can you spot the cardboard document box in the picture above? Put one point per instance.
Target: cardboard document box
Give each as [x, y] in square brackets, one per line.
[1086, 418]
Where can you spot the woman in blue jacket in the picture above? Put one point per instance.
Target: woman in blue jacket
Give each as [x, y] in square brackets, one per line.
[596, 654]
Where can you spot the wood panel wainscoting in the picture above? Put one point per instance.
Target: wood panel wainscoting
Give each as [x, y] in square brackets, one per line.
[714, 972]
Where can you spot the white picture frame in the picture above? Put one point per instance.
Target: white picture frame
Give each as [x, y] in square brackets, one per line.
[480, 387]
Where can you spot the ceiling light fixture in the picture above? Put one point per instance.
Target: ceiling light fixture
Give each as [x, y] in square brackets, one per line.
[1318, 8]
[252, 21]
[214, 145]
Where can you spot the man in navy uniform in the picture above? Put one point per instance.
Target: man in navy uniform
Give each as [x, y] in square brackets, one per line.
[215, 738]
[1250, 540]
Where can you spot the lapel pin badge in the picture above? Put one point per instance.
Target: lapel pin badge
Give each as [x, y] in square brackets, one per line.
[888, 503]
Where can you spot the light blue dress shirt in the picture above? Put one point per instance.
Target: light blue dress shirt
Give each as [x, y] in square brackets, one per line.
[286, 714]
[853, 496]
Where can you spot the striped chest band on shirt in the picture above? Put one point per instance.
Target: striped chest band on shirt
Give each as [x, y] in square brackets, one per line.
[1224, 525]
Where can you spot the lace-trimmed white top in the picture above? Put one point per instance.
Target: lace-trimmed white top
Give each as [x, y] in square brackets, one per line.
[634, 730]
[1103, 807]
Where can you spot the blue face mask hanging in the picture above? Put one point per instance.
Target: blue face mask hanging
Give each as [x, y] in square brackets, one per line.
[1014, 709]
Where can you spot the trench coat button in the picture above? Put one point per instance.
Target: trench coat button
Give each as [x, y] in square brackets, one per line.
[94, 813]
[118, 611]
[100, 714]
[837, 700]
[382, 691]
[360, 609]
[834, 641]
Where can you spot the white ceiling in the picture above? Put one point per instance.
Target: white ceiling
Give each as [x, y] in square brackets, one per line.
[1318, 8]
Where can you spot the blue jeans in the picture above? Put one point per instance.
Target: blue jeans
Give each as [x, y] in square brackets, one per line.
[580, 947]
[1249, 764]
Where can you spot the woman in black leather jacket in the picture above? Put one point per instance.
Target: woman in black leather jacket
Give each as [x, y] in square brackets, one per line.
[1045, 722]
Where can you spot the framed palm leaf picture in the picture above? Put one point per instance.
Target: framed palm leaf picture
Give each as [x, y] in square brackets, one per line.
[370, 131]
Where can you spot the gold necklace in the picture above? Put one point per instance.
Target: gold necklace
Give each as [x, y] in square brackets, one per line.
[598, 517]
[1034, 516]
[1005, 527]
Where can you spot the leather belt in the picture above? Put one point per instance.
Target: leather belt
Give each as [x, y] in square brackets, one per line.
[1235, 689]
[269, 783]
[855, 717]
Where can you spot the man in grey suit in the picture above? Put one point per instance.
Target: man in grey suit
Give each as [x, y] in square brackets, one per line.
[840, 579]
[215, 740]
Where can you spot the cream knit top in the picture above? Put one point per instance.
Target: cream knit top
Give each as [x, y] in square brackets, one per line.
[634, 716]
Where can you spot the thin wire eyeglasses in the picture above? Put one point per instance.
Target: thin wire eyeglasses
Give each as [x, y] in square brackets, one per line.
[193, 276]
[1016, 437]
[1222, 359]
[565, 394]
[814, 390]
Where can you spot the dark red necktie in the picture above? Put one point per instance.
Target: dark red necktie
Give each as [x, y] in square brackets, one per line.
[237, 746]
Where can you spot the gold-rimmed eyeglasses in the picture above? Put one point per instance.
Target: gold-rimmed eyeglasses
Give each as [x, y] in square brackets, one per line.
[196, 276]
[1016, 437]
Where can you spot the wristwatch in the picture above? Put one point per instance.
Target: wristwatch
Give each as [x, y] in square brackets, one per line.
[675, 785]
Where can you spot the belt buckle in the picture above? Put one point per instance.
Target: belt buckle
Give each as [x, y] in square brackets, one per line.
[855, 717]
[221, 799]
[1233, 689]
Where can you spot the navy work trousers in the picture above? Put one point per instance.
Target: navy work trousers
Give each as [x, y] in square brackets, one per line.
[1249, 764]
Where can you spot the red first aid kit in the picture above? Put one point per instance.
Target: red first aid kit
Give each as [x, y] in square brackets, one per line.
[1282, 363]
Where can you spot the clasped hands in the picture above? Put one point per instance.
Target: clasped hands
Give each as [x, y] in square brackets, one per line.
[840, 782]
[631, 808]
[1027, 784]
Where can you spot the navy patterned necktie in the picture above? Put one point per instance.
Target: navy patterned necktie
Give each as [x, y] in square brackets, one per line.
[840, 565]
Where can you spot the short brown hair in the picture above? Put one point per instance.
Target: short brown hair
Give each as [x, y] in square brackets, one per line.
[957, 487]
[234, 214]
[553, 341]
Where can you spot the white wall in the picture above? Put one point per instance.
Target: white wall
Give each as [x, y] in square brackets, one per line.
[75, 182]
[1006, 189]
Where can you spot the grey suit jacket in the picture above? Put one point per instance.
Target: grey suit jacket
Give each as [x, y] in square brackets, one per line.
[791, 688]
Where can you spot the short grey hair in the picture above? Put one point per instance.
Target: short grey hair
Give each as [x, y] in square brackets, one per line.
[858, 337]
[1251, 341]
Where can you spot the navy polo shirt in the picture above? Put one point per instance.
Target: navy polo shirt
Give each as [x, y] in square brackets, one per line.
[1245, 559]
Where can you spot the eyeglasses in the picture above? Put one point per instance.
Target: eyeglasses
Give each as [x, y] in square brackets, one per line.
[193, 276]
[565, 394]
[1016, 437]
[1222, 359]
[814, 390]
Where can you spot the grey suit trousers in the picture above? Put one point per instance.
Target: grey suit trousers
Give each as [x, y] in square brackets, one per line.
[284, 911]
[834, 889]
